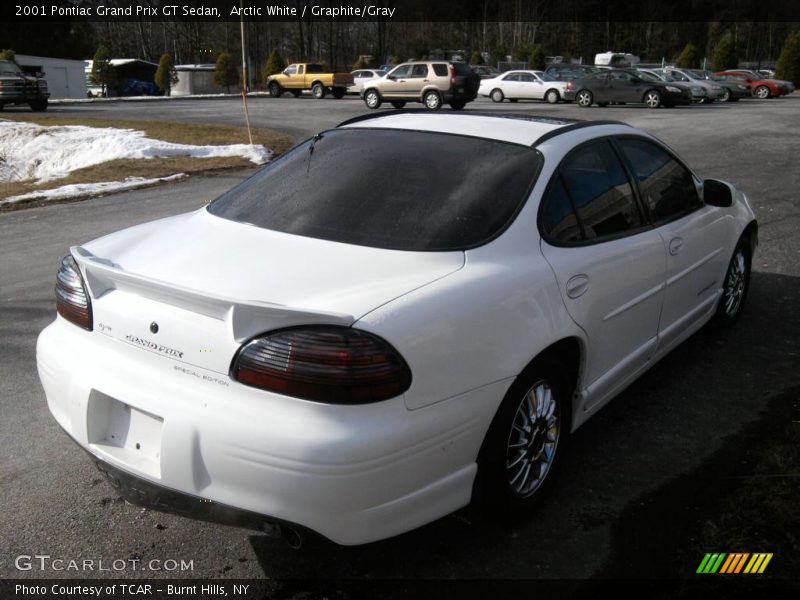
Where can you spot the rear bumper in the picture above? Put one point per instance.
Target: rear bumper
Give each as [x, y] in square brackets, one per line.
[353, 474]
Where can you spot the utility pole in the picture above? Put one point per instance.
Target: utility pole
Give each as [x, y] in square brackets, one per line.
[244, 73]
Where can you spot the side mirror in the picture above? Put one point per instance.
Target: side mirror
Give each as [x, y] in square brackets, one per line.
[717, 193]
[392, 77]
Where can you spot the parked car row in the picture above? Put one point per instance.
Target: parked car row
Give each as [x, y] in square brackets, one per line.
[670, 87]
[435, 83]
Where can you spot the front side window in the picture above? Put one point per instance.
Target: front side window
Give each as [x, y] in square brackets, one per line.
[526, 77]
[291, 70]
[401, 71]
[412, 190]
[666, 186]
[600, 192]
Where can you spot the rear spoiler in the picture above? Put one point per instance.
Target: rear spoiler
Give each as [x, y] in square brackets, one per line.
[246, 317]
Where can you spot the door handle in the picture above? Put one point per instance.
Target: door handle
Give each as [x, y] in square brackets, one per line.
[675, 245]
[577, 286]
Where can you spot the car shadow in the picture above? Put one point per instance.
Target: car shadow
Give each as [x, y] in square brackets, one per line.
[666, 424]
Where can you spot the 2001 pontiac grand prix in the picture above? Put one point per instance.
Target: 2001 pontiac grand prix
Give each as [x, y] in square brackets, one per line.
[397, 317]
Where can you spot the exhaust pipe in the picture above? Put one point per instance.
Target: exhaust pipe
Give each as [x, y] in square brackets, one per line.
[290, 535]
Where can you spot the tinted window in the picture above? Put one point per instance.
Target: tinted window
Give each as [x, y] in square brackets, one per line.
[440, 70]
[600, 191]
[461, 68]
[666, 186]
[419, 71]
[558, 216]
[446, 192]
[315, 69]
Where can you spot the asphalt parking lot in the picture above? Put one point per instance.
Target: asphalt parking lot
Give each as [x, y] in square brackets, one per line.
[667, 425]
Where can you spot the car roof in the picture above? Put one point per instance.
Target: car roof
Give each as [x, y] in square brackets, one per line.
[516, 128]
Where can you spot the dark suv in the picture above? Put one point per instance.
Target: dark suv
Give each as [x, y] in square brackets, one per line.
[431, 82]
[18, 88]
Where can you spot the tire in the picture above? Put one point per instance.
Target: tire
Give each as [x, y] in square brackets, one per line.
[398, 104]
[735, 286]
[552, 96]
[726, 95]
[275, 89]
[295, 93]
[38, 105]
[762, 92]
[338, 92]
[432, 100]
[457, 104]
[318, 91]
[513, 447]
[652, 99]
[584, 98]
[372, 99]
[497, 95]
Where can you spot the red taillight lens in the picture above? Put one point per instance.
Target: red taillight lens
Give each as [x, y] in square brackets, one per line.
[72, 300]
[569, 85]
[324, 363]
[452, 74]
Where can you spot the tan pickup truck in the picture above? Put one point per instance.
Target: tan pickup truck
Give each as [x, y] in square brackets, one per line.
[308, 76]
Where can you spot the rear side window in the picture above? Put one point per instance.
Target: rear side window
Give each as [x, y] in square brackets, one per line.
[405, 190]
[419, 71]
[558, 215]
[440, 70]
[315, 69]
[594, 181]
[666, 186]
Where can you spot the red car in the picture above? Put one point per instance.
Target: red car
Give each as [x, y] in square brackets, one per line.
[762, 88]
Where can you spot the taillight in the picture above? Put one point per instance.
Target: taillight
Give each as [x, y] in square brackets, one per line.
[72, 300]
[569, 85]
[452, 70]
[324, 363]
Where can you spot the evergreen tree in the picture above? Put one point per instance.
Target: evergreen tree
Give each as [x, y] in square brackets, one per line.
[165, 74]
[689, 57]
[8, 54]
[476, 58]
[103, 73]
[788, 66]
[225, 73]
[275, 64]
[537, 58]
[725, 53]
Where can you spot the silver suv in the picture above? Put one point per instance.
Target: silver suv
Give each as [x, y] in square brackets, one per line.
[431, 82]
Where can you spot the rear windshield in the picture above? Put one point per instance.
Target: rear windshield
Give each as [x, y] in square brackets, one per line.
[398, 189]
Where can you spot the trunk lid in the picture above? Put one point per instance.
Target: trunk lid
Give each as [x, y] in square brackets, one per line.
[195, 287]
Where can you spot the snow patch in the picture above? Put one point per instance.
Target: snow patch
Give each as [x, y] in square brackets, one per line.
[88, 189]
[30, 151]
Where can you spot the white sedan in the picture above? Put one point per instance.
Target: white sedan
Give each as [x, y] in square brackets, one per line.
[322, 351]
[361, 77]
[523, 85]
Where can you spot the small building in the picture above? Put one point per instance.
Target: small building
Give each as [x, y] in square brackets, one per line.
[65, 77]
[135, 77]
[196, 79]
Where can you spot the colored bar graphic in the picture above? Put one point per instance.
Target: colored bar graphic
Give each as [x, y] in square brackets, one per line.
[723, 563]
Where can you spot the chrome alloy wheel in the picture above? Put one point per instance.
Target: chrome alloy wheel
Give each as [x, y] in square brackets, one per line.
[533, 440]
[652, 99]
[584, 99]
[735, 283]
